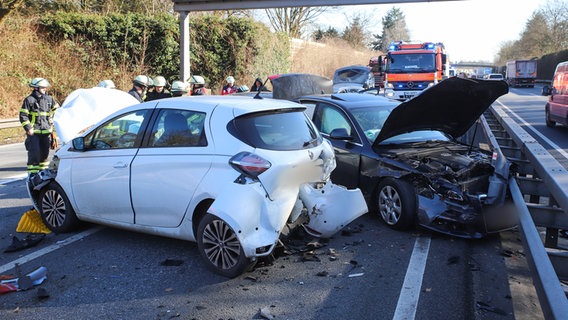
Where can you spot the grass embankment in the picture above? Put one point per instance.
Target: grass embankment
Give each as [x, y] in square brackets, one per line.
[12, 135]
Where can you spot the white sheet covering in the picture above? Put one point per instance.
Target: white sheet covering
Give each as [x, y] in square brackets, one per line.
[85, 107]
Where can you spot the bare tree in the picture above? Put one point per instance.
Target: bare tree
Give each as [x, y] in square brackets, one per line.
[394, 29]
[546, 31]
[293, 21]
[556, 13]
[355, 33]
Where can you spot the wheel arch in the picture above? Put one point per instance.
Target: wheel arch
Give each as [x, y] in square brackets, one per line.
[199, 212]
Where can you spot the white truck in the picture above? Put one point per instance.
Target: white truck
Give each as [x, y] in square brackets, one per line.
[521, 73]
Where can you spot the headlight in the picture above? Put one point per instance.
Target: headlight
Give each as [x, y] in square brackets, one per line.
[389, 85]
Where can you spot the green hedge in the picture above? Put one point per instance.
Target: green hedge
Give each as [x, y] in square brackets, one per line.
[240, 47]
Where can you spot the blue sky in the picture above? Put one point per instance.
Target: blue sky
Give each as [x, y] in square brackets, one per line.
[471, 30]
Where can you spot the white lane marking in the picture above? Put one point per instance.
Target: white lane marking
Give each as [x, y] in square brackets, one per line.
[543, 137]
[13, 179]
[410, 292]
[51, 248]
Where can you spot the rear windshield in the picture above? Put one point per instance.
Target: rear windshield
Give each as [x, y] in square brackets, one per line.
[288, 129]
[356, 75]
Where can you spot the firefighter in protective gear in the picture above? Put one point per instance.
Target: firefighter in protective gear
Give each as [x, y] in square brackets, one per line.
[159, 90]
[179, 88]
[139, 86]
[197, 84]
[36, 117]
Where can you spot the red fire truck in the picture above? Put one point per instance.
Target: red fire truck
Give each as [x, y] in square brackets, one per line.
[408, 68]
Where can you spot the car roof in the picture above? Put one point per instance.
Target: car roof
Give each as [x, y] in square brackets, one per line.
[240, 104]
[354, 100]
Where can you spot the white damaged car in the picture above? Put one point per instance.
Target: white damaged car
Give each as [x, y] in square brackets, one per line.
[227, 172]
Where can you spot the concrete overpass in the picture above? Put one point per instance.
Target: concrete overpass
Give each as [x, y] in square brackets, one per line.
[478, 69]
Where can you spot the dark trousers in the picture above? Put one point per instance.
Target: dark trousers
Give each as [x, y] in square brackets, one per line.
[38, 151]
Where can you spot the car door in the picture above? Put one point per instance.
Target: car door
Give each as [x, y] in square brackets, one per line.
[328, 117]
[100, 176]
[170, 166]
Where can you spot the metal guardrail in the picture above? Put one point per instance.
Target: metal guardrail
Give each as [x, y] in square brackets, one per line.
[9, 123]
[538, 193]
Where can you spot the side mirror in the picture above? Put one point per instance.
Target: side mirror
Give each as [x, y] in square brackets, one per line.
[79, 144]
[340, 134]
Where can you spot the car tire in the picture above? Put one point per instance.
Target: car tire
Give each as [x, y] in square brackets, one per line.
[396, 203]
[56, 210]
[218, 244]
[549, 123]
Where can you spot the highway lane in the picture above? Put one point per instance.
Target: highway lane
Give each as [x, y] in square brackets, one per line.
[13, 162]
[526, 107]
[363, 273]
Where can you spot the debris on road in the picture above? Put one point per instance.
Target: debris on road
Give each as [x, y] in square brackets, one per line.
[9, 283]
[29, 241]
[265, 313]
[171, 263]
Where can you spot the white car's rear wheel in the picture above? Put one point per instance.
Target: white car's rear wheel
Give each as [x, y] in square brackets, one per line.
[220, 247]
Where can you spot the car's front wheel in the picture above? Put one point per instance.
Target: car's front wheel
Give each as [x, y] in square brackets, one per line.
[397, 204]
[220, 247]
[55, 209]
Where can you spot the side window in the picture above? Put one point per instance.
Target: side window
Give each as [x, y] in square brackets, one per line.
[330, 118]
[310, 108]
[178, 128]
[120, 132]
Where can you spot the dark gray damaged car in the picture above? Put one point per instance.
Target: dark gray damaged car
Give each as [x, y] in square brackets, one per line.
[409, 160]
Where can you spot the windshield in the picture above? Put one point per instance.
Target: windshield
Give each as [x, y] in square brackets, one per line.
[371, 121]
[355, 75]
[411, 62]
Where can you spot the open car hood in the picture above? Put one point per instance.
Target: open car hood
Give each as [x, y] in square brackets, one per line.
[452, 106]
[85, 107]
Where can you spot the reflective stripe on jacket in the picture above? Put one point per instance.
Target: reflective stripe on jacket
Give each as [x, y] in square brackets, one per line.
[37, 113]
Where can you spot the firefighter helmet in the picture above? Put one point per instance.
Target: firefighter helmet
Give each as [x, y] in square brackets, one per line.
[141, 80]
[196, 80]
[230, 79]
[39, 83]
[179, 87]
[109, 84]
[159, 81]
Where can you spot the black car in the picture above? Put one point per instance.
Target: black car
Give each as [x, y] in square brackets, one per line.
[406, 158]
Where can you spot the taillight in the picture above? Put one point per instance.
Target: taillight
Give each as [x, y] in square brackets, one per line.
[249, 164]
